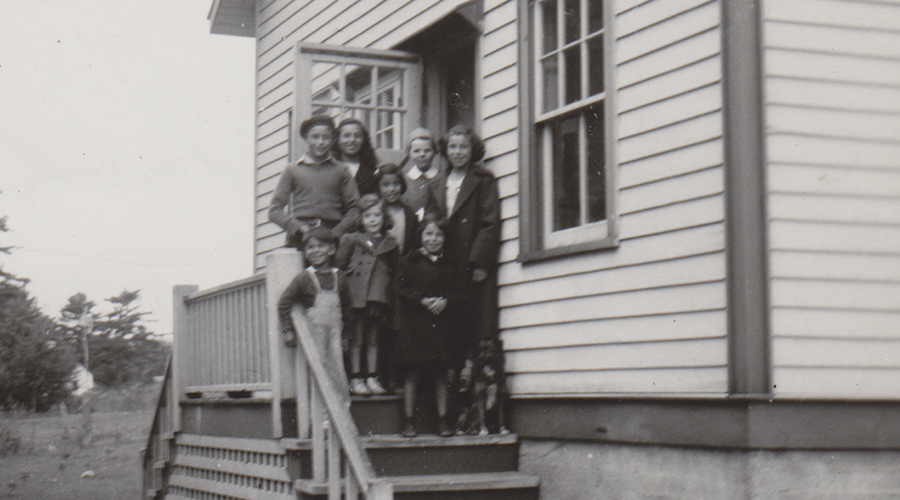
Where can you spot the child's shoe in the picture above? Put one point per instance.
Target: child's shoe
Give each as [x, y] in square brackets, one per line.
[375, 387]
[358, 387]
[444, 428]
[410, 430]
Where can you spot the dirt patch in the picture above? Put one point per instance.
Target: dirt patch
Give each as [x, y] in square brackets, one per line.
[45, 459]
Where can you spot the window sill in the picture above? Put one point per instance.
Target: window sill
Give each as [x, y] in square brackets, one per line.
[537, 255]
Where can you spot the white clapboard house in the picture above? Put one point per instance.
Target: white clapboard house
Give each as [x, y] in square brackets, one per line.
[700, 268]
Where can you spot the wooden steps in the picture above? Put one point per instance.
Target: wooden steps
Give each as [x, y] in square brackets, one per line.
[472, 486]
[230, 468]
[426, 467]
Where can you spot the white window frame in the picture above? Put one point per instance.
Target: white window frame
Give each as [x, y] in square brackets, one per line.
[407, 114]
[540, 240]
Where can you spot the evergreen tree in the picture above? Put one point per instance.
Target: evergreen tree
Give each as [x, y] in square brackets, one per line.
[121, 349]
[35, 362]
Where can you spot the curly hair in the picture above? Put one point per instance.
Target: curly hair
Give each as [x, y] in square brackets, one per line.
[466, 131]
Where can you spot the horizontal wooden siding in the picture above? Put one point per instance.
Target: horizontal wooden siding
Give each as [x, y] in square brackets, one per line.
[832, 86]
[649, 316]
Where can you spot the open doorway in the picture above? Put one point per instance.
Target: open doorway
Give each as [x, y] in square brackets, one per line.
[447, 49]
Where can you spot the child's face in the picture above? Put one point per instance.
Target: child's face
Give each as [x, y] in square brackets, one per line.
[432, 239]
[391, 188]
[350, 139]
[373, 219]
[421, 153]
[459, 151]
[320, 139]
[317, 252]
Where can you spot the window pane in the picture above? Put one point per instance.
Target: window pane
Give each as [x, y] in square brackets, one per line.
[596, 163]
[573, 74]
[386, 98]
[551, 82]
[326, 78]
[565, 174]
[549, 26]
[595, 16]
[595, 63]
[573, 20]
[390, 91]
[359, 84]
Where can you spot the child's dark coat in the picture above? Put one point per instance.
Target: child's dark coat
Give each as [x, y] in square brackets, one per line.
[369, 269]
[424, 337]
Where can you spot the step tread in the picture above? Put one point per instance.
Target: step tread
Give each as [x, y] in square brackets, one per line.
[461, 482]
[398, 441]
[426, 440]
[442, 482]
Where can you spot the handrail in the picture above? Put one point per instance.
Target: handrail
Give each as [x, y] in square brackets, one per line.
[226, 287]
[159, 405]
[161, 425]
[342, 422]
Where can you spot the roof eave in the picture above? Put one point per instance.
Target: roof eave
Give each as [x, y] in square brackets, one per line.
[233, 17]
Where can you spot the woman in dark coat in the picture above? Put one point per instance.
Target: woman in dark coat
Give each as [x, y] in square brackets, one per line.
[430, 292]
[466, 198]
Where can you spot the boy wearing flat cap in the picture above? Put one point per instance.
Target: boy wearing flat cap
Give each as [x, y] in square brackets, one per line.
[317, 190]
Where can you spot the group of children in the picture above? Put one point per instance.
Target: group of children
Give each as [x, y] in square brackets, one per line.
[402, 259]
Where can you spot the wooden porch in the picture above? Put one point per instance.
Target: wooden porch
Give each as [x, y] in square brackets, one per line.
[241, 416]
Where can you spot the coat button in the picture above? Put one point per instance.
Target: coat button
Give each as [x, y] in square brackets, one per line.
[465, 220]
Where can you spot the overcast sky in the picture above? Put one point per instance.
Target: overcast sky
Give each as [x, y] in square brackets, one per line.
[126, 149]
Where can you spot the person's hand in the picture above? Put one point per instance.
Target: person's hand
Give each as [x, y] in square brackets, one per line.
[289, 336]
[427, 302]
[479, 275]
[438, 306]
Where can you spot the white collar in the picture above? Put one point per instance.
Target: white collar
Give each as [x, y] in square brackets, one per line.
[307, 160]
[415, 172]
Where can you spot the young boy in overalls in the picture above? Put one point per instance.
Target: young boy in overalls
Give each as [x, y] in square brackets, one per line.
[320, 289]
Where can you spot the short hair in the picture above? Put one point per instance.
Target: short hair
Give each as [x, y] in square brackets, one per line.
[464, 130]
[320, 233]
[390, 169]
[422, 133]
[370, 200]
[431, 218]
[312, 121]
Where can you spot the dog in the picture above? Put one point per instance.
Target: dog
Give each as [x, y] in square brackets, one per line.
[484, 392]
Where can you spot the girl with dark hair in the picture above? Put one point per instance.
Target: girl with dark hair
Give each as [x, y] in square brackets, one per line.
[369, 259]
[391, 187]
[354, 148]
[466, 198]
[430, 302]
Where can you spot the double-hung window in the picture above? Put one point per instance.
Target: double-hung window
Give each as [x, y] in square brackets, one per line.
[567, 130]
[382, 88]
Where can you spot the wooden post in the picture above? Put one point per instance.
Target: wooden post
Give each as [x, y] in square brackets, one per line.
[380, 489]
[282, 266]
[180, 331]
[334, 464]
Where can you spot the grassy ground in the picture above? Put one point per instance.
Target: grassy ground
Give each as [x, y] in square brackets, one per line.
[41, 456]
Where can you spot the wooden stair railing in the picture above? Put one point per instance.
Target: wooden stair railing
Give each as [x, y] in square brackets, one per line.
[337, 433]
[157, 452]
